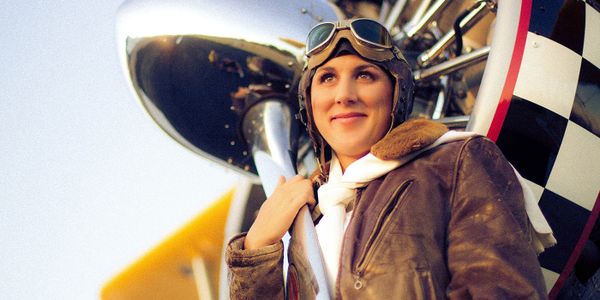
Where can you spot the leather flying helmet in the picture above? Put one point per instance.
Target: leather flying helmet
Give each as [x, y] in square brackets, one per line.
[372, 42]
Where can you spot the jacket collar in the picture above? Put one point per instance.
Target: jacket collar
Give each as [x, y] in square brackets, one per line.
[410, 136]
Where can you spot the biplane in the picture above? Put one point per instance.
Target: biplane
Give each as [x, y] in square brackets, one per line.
[220, 77]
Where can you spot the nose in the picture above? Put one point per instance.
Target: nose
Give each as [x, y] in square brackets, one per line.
[346, 92]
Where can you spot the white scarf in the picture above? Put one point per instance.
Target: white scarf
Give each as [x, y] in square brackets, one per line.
[340, 189]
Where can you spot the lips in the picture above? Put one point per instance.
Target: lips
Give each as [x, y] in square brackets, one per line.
[348, 115]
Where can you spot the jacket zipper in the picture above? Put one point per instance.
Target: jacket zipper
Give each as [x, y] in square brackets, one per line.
[383, 221]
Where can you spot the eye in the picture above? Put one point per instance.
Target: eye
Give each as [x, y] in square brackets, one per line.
[326, 77]
[366, 75]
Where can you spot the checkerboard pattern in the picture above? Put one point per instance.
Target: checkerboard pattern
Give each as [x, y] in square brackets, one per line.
[551, 132]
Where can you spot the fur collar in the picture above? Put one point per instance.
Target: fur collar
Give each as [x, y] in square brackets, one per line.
[407, 137]
[412, 135]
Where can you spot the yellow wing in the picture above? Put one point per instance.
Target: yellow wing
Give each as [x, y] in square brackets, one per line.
[173, 269]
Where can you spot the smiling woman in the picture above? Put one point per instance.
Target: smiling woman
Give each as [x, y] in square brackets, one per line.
[351, 105]
[404, 208]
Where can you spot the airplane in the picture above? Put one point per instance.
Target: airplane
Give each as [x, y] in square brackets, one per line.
[220, 78]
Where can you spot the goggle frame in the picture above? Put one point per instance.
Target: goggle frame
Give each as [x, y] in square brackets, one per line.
[348, 24]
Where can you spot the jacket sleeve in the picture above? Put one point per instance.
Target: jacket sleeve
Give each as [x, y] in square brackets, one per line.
[256, 273]
[489, 252]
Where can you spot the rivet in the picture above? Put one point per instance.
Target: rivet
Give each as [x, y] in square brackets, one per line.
[358, 284]
[186, 270]
[287, 85]
[245, 153]
[304, 10]
[226, 125]
[230, 160]
[246, 167]
[320, 19]
[232, 107]
[290, 63]
[232, 143]
[269, 84]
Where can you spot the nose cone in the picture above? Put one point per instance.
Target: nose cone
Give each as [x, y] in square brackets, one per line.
[187, 61]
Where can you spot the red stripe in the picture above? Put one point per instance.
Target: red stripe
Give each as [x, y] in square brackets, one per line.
[513, 72]
[589, 225]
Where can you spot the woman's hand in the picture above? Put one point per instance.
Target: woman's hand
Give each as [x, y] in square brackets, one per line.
[277, 213]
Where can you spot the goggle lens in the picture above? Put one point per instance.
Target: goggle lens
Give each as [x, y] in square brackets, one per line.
[319, 35]
[365, 30]
[371, 32]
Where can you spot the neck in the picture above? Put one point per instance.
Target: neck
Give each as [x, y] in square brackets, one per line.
[347, 160]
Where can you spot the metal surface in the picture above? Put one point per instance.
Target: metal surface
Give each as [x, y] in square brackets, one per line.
[456, 122]
[201, 276]
[305, 254]
[419, 13]
[450, 66]
[441, 102]
[497, 65]
[267, 127]
[188, 61]
[416, 16]
[395, 13]
[442, 44]
[431, 14]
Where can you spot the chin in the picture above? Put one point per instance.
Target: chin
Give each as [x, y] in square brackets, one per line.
[352, 150]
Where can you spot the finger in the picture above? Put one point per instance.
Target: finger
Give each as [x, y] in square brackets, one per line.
[312, 202]
[281, 180]
[308, 196]
[297, 178]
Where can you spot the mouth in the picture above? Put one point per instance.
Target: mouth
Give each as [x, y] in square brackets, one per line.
[348, 116]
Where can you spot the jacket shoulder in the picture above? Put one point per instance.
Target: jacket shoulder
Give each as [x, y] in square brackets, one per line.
[410, 136]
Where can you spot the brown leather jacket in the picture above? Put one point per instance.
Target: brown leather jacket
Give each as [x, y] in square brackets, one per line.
[449, 224]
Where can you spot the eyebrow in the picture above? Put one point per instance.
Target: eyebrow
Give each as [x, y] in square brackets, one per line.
[359, 67]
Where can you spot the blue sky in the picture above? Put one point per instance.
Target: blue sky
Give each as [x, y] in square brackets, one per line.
[88, 183]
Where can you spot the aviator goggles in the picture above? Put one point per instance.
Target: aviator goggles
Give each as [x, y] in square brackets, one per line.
[366, 31]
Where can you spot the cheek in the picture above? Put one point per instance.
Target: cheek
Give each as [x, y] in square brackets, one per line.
[388, 103]
[318, 105]
[386, 94]
[381, 98]
[383, 106]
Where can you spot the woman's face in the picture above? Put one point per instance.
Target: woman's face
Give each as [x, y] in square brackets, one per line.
[351, 103]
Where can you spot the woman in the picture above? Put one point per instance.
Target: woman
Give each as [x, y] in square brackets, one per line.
[409, 210]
